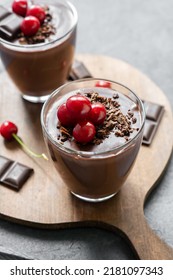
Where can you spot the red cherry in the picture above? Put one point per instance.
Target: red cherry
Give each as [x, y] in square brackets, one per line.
[84, 132]
[37, 12]
[19, 7]
[7, 129]
[64, 116]
[79, 106]
[104, 84]
[30, 25]
[97, 113]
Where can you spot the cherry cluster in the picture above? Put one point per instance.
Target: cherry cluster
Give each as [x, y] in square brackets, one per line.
[83, 116]
[34, 16]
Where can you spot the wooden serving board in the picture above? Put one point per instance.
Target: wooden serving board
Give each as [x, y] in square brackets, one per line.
[45, 202]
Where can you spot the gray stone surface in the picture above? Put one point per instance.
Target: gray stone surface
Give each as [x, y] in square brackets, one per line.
[140, 33]
[76, 243]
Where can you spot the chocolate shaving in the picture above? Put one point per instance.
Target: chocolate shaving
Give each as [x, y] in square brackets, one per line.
[115, 95]
[65, 133]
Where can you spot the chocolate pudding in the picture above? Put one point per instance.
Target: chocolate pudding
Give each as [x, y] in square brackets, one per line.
[95, 171]
[39, 66]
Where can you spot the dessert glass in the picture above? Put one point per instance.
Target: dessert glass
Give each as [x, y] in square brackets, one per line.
[92, 176]
[38, 69]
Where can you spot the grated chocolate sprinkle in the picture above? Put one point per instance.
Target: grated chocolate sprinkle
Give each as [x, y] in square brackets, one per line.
[116, 121]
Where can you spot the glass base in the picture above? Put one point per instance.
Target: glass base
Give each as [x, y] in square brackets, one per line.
[35, 99]
[90, 199]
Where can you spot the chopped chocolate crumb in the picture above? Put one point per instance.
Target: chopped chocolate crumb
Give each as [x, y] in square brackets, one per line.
[134, 120]
[130, 114]
[118, 133]
[65, 132]
[22, 41]
[110, 124]
[115, 95]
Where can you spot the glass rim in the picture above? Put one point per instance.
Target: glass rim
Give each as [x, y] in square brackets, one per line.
[87, 154]
[37, 46]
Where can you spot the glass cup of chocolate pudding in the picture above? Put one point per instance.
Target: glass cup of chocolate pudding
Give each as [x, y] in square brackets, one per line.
[39, 64]
[96, 170]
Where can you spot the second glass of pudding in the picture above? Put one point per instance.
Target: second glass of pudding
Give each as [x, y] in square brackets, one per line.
[39, 68]
[96, 171]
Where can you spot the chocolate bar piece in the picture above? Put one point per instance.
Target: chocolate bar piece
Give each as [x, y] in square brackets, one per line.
[13, 174]
[154, 113]
[149, 130]
[78, 71]
[3, 13]
[9, 24]
[4, 164]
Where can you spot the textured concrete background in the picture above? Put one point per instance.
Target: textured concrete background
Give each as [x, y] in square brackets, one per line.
[140, 33]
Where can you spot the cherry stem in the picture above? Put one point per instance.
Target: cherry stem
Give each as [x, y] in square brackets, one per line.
[27, 149]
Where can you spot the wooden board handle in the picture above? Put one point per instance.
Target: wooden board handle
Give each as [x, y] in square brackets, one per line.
[146, 244]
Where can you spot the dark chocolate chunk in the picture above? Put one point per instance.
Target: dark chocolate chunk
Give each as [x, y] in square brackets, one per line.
[153, 111]
[149, 130]
[4, 164]
[10, 26]
[3, 13]
[13, 174]
[79, 71]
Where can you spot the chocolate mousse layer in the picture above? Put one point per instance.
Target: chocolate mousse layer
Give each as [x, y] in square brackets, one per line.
[97, 169]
